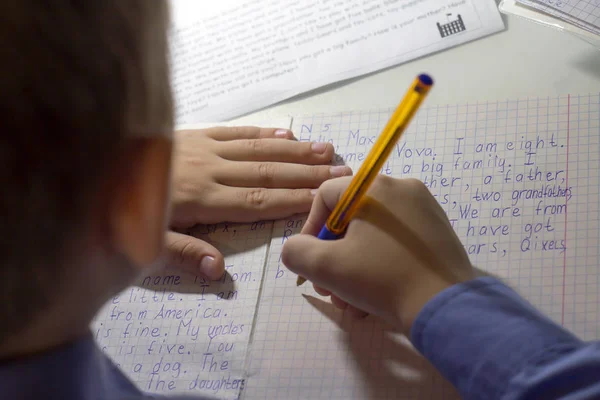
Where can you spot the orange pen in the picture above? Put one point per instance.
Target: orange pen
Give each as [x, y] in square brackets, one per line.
[348, 205]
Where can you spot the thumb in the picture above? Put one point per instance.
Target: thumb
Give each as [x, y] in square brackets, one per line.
[194, 255]
[312, 259]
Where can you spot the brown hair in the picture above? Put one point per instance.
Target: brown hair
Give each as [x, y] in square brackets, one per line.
[77, 78]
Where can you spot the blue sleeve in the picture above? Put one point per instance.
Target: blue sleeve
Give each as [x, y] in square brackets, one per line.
[491, 344]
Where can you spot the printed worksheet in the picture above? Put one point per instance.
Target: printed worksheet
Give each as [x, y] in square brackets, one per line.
[231, 57]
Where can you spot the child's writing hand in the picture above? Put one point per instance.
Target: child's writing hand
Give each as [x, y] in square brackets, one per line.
[242, 174]
[397, 254]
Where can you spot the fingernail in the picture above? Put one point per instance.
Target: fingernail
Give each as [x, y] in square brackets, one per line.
[207, 266]
[318, 147]
[282, 133]
[313, 192]
[339, 170]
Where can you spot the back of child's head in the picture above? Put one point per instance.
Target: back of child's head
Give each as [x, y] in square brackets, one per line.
[78, 79]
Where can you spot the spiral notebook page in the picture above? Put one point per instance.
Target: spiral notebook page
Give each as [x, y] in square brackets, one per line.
[520, 182]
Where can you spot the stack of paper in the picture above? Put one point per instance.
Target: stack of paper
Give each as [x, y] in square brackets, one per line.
[231, 57]
[579, 17]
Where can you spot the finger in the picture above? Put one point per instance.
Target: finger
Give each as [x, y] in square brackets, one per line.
[355, 312]
[274, 150]
[314, 259]
[339, 303]
[327, 197]
[194, 255]
[256, 204]
[278, 175]
[348, 308]
[321, 291]
[223, 133]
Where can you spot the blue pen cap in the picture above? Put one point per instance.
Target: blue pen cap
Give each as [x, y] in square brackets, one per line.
[426, 79]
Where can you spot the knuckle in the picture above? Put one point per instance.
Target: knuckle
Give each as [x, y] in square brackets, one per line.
[296, 194]
[415, 185]
[337, 184]
[317, 173]
[266, 132]
[383, 183]
[257, 198]
[180, 251]
[255, 146]
[235, 130]
[335, 187]
[305, 149]
[328, 185]
[409, 185]
[266, 172]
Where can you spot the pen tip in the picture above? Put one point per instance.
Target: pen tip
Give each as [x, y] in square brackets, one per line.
[300, 280]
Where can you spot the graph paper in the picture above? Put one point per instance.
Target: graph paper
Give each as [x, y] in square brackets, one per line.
[178, 333]
[530, 169]
[542, 6]
[583, 13]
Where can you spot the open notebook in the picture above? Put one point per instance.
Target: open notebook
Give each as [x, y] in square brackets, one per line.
[520, 182]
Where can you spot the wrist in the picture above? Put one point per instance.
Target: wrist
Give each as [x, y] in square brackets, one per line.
[417, 295]
[412, 304]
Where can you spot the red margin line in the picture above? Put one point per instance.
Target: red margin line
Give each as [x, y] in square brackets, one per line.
[562, 318]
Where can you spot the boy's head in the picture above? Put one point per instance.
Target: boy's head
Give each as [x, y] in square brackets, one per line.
[86, 116]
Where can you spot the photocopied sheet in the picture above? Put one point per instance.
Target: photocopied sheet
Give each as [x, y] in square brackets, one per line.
[519, 180]
[231, 57]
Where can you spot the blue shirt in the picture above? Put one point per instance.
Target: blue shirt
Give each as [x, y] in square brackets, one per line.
[491, 344]
[480, 335]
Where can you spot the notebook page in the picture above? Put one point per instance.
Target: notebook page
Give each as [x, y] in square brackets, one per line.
[520, 183]
[174, 332]
[178, 333]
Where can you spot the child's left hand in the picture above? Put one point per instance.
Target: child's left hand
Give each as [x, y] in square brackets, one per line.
[242, 174]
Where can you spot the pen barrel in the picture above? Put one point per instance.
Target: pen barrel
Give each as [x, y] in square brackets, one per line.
[350, 201]
[326, 234]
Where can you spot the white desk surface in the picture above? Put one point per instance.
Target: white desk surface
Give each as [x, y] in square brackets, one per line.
[525, 60]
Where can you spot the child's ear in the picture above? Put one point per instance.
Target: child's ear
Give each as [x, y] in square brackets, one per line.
[139, 208]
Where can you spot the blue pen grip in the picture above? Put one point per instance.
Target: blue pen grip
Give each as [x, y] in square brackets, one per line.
[326, 234]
